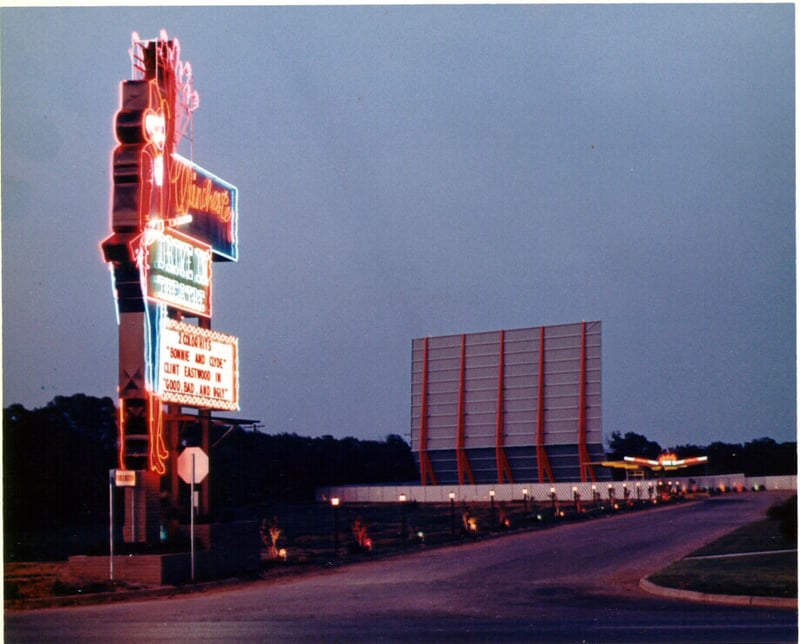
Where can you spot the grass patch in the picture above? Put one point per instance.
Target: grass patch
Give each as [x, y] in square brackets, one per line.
[753, 537]
[772, 574]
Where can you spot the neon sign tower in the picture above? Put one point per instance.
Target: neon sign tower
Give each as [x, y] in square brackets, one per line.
[170, 220]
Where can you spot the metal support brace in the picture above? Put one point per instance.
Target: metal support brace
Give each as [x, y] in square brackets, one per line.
[425, 469]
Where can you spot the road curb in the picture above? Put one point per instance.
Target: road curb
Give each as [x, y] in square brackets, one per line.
[86, 599]
[710, 598]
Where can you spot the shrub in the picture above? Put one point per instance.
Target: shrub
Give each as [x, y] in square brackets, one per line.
[786, 513]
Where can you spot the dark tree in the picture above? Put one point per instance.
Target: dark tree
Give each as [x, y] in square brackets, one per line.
[55, 464]
[631, 444]
[764, 456]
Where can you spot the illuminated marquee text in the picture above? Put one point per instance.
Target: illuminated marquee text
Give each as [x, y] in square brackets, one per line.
[198, 367]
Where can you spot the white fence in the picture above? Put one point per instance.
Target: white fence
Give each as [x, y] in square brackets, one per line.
[390, 493]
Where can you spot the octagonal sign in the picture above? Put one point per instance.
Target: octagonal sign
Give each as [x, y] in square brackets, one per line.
[193, 460]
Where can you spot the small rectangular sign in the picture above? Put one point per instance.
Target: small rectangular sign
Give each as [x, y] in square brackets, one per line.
[125, 478]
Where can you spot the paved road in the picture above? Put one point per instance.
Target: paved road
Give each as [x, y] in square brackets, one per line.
[574, 583]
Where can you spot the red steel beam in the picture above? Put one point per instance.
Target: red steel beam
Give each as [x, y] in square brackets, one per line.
[503, 469]
[425, 469]
[461, 454]
[542, 461]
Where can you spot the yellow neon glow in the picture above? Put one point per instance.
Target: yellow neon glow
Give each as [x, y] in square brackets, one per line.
[155, 127]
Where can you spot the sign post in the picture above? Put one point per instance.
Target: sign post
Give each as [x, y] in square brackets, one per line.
[191, 513]
[192, 468]
[116, 478]
[111, 479]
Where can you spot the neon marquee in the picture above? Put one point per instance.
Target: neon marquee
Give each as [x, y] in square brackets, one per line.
[197, 367]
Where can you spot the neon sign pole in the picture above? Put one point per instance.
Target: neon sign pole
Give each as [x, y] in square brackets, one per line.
[170, 219]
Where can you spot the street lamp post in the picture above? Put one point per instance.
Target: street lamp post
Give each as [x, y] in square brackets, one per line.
[452, 496]
[491, 500]
[553, 501]
[335, 504]
[525, 500]
[402, 499]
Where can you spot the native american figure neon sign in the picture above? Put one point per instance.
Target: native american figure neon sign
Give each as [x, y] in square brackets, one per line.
[170, 219]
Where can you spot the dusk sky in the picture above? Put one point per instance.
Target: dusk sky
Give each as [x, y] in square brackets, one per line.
[406, 171]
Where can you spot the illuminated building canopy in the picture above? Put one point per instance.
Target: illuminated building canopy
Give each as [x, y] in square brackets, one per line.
[665, 462]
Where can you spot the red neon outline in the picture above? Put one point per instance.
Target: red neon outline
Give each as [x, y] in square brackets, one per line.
[121, 449]
[158, 453]
[185, 96]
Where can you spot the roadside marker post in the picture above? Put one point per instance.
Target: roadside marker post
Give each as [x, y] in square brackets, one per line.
[111, 481]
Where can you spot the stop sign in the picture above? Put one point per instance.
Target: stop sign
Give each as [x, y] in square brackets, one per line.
[193, 460]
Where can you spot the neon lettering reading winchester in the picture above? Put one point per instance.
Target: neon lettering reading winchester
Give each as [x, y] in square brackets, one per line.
[212, 203]
[194, 194]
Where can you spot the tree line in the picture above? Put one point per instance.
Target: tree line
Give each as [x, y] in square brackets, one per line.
[57, 459]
